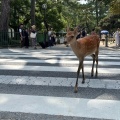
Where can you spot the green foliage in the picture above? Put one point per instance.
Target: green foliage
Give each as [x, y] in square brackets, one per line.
[20, 13]
[115, 7]
[62, 13]
[110, 22]
[112, 19]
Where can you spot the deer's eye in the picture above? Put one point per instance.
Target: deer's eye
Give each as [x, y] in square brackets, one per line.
[72, 36]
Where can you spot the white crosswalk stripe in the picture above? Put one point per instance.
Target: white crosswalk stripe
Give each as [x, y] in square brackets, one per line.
[57, 68]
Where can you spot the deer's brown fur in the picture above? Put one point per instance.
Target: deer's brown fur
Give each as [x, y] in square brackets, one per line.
[83, 47]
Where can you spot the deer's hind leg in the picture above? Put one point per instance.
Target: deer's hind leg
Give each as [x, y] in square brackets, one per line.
[92, 71]
[83, 77]
[96, 59]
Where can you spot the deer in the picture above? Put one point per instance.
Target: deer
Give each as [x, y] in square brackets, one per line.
[82, 47]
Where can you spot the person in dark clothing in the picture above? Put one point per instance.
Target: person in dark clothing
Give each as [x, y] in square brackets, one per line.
[22, 35]
[79, 35]
[84, 33]
[50, 32]
[26, 38]
[53, 36]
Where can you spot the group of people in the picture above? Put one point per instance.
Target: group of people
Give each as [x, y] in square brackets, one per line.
[24, 36]
[51, 37]
[116, 36]
[81, 33]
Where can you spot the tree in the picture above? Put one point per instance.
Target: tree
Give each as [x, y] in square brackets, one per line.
[4, 17]
[115, 7]
[33, 12]
[20, 13]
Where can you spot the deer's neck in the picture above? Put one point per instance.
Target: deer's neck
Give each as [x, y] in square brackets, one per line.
[75, 47]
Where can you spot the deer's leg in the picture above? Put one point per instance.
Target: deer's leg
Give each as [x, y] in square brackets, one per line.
[79, 67]
[96, 67]
[83, 81]
[96, 58]
[92, 71]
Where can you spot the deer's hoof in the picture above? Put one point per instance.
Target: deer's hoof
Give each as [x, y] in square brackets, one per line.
[83, 82]
[76, 90]
[96, 76]
[91, 75]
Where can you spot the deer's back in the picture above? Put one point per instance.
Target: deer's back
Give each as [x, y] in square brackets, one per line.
[87, 45]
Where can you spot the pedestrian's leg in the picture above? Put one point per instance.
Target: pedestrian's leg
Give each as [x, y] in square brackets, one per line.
[34, 43]
[119, 42]
[49, 43]
[31, 42]
[21, 42]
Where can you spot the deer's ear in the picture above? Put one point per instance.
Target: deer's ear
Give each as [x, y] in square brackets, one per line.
[68, 29]
[75, 30]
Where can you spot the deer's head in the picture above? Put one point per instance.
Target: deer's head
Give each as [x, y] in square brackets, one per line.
[71, 35]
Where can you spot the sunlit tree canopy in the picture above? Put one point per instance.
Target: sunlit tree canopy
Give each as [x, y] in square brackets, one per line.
[62, 13]
[115, 7]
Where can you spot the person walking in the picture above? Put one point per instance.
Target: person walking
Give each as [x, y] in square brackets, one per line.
[117, 37]
[79, 35]
[84, 33]
[103, 37]
[50, 31]
[53, 38]
[33, 36]
[22, 35]
[26, 38]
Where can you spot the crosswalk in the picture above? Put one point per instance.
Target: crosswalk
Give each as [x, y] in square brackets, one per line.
[39, 84]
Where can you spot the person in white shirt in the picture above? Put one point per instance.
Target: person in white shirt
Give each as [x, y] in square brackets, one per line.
[33, 35]
[117, 37]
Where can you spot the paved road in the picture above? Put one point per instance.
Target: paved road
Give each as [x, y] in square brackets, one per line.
[38, 85]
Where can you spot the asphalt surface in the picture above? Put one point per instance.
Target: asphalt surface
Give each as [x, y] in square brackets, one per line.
[56, 91]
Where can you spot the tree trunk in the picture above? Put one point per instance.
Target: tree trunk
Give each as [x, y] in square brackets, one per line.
[32, 12]
[96, 7]
[4, 17]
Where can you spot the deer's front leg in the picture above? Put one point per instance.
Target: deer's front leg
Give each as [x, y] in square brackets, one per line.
[96, 67]
[79, 67]
[92, 71]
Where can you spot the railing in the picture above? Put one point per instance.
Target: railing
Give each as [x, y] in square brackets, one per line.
[12, 39]
[9, 39]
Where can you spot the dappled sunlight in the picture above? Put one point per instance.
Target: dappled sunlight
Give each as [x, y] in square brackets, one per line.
[3, 99]
[11, 67]
[51, 61]
[65, 105]
[107, 95]
[93, 108]
[13, 61]
[108, 63]
[100, 104]
[19, 80]
[56, 102]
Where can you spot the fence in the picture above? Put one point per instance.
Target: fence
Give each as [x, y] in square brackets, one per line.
[12, 39]
[9, 39]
